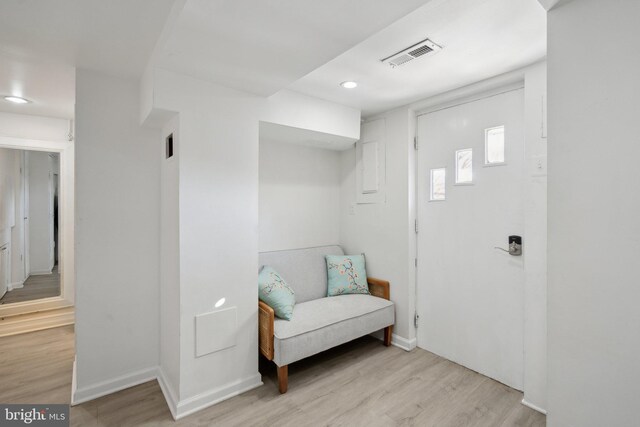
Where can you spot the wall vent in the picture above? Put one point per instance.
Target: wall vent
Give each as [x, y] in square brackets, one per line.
[425, 47]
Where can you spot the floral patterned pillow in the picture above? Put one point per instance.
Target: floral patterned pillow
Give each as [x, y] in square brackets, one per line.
[275, 292]
[346, 274]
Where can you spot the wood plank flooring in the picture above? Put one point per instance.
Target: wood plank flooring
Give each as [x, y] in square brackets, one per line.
[35, 287]
[361, 383]
[36, 367]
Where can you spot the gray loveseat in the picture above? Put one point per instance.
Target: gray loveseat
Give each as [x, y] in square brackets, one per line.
[318, 322]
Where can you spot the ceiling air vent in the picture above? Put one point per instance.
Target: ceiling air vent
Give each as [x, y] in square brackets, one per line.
[410, 53]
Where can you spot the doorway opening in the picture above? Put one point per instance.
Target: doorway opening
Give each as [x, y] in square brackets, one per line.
[29, 229]
[37, 229]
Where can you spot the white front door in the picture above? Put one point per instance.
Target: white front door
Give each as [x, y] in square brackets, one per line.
[471, 295]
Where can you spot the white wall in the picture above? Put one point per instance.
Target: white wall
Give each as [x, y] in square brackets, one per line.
[593, 294]
[40, 170]
[217, 215]
[117, 237]
[306, 112]
[33, 127]
[170, 256]
[299, 202]
[383, 231]
[535, 238]
[218, 232]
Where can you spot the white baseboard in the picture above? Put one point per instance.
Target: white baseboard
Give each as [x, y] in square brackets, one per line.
[204, 400]
[15, 285]
[397, 341]
[73, 379]
[534, 407]
[178, 409]
[169, 392]
[111, 386]
[32, 322]
[403, 343]
[41, 273]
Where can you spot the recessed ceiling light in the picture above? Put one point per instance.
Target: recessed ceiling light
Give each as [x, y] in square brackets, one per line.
[349, 85]
[16, 99]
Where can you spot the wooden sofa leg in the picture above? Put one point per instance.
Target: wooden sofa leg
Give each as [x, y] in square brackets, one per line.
[283, 378]
[388, 331]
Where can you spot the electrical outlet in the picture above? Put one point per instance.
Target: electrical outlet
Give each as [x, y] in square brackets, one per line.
[539, 166]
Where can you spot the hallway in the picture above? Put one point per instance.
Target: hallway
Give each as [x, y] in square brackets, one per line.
[35, 287]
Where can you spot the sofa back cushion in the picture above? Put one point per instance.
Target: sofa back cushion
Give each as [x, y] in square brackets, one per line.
[305, 270]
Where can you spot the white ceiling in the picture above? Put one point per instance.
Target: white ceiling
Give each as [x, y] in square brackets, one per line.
[42, 41]
[550, 4]
[480, 39]
[49, 85]
[262, 46]
[309, 138]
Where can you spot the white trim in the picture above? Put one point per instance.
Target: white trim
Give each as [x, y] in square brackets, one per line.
[208, 398]
[403, 343]
[534, 407]
[474, 92]
[183, 408]
[36, 321]
[169, 392]
[178, 409]
[74, 377]
[113, 385]
[15, 285]
[41, 273]
[397, 341]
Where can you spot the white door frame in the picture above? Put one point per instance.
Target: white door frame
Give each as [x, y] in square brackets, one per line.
[66, 225]
[25, 214]
[50, 207]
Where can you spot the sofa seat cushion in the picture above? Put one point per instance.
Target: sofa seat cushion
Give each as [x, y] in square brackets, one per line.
[321, 324]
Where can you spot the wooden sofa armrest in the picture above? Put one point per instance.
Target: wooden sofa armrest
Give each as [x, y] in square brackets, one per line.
[266, 317]
[379, 288]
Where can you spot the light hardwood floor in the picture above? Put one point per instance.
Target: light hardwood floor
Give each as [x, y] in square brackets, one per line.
[361, 383]
[35, 287]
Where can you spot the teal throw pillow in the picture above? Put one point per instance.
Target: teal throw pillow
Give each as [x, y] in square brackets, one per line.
[275, 292]
[346, 274]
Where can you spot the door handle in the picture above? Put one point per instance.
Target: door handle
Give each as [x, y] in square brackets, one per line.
[515, 246]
